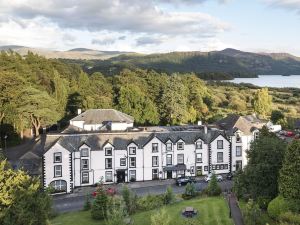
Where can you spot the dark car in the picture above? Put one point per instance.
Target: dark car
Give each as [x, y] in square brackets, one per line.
[229, 176]
[185, 180]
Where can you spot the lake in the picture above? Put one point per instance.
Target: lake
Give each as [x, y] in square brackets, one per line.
[271, 81]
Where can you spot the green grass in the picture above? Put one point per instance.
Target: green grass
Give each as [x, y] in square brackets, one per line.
[211, 211]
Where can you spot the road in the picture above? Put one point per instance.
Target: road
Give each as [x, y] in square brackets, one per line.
[68, 203]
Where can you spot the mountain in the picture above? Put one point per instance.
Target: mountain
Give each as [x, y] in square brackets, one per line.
[228, 61]
[76, 53]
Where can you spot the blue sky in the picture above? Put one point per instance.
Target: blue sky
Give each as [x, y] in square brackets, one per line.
[153, 25]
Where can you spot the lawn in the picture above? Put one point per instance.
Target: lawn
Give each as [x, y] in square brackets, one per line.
[212, 211]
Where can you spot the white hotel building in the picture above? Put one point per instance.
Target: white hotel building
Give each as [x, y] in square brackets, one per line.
[115, 152]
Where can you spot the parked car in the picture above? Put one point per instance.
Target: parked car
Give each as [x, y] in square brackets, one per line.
[208, 177]
[289, 134]
[185, 180]
[229, 176]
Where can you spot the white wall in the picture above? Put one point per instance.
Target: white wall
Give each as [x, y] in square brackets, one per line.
[215, 150]
[49, 166]
[120, 126]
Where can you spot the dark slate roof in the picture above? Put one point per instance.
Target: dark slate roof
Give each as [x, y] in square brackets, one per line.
[120, 141]
[98, 116]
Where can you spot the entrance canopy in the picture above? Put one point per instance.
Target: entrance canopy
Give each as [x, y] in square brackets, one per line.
[175, 168]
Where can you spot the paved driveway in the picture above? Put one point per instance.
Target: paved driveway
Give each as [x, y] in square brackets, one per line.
[75, 202]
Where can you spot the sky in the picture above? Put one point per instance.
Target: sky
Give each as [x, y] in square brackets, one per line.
[149, 26]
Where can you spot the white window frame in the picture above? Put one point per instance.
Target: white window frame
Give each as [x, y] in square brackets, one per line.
[238, 149]
[107, 163]
[124, 161]
[181, 155]
[107, 150]
[132, 160]
[220, 154]
[155, 174]
[108, 174]
[84, 150]
[169, 147]
[220, 142]
[58, 171]
[132, 150]
[169, 157]
[199, 145]
[180, 145]
[132, 174]
[154, 147]
[85, 175]
[155, 161]
[197, 158]
[84, 166]
[57, 154]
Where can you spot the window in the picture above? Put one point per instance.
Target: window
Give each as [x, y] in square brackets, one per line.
[205, 168]
[180, 159]
[192, 170]
[57, 171]
[169, 147]
[132, 162]
[123, 162]
[132, 175]
[256, 135]
[108, 176]
[199, 145]
[84, 164]
[108, 163]
[180, 146]
[84, 152]
[154, 174]
[154, 161]
[57, 157]
[238, 138]
[154, 147]
[108, 151]
[132, 150]
[220, 157]
[238, 151]
[199, 157]
[85, 178]
[220, 144]
[199, 170]
[59, 185]
[169, 160]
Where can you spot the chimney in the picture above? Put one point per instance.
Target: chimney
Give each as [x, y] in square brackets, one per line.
[78, 111]
[205, 129]
[199, 123]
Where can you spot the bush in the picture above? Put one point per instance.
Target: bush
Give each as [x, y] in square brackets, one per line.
[130, 200]
[160, 218]
[169, 196]
[276, 207]
[150, 202]
[263, 202]
[116, 213]
[190, 190]
[99, 207]
[213, 188]
[87, 204]
[252, 213]
[289, 218]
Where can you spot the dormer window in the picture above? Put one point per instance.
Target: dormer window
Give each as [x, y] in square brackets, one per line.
[220, 144]
[155, 147]
[199, 145]
[180, 146]
[108, 151]
[238, 138]
[84, 152]
[169, 147]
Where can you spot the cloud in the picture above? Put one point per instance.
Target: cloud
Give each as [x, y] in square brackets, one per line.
[293, 5]
[148, 41]
[115, 15]
[104, 41]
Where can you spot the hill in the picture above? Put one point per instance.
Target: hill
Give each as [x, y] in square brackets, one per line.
[76, 53]
[229, 61]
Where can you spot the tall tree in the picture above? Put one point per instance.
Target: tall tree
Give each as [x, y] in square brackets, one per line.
[38, 107]
[174, 101]
[262, 102]
[289, 180]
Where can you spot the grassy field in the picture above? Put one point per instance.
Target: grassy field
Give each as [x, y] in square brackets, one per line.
[211, 211]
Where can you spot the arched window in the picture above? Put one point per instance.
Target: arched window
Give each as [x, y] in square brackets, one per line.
[59, 185]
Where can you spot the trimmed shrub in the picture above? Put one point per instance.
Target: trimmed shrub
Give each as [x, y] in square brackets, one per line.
[150, 202]
[276, 207]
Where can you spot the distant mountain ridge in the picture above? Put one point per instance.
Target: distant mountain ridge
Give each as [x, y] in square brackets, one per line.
[76, 53]
[232, 62]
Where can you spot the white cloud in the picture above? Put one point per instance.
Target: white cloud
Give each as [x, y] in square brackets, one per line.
[293, 5]
[131, 25]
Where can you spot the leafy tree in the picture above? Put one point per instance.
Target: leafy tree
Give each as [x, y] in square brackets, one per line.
[22, 199]
[262, 102]
[289, 179]
[213, 188]
[169, 196]
[175, 101]
[38, 107]
[100, 204]
[262, 171]
[276, 116]
[130, 200]
[160, 218]
[190, 190]
[116, 214]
